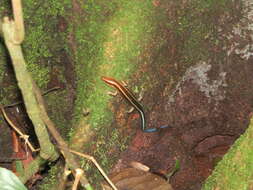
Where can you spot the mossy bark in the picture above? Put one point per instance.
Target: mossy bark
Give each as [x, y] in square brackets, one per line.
[25, 83]
[122, 39]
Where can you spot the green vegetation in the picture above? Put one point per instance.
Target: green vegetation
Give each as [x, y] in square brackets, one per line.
[110, 37]
[50, 180]
[197, 28]
[3, 61]
[9, 180]
[104, 152]
[108, 47]
[41, 47]
[235, 170]
[42, 40]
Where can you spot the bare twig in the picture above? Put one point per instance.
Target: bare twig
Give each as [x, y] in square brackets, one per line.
[13, 33]
[44, 93]
[64, 178]
[79, 173]
[22, 135]
[1, 29]
[25, 84]
[91, 158]
[72, 163]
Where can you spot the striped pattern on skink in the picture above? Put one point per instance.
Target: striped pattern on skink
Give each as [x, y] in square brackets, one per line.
[131, 99]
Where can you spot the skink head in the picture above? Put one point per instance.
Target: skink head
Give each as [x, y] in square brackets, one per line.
[109, 80]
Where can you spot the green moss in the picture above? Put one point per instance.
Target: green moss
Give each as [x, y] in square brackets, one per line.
[8, 90]
[104, 152]
[3, 60]
[196, 25]
[50, 180]
[109, 47]
[42, 39]
[5, 8]
[110, 38]
[3, 55]
[235, 171]
[41, 47]
[57, 112]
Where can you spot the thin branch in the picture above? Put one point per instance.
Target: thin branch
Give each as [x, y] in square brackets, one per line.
[79, 173]
[25, 84]
[72, 163]
[91, 158]
[21, 102]
[22, 135]
[1, 28]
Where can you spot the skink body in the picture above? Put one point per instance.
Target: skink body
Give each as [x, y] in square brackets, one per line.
[131, 99]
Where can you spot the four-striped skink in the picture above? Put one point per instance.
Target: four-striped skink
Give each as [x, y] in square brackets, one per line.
[132, 100]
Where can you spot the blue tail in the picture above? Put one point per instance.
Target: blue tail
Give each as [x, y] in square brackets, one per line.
[151, 130]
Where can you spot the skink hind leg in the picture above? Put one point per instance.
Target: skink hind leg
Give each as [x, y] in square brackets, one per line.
[116, 93]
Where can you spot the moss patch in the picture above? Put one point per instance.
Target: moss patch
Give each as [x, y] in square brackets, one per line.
[50, 181]
[41, 41]
[110, 40]
[236, 166]
[41, 47]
